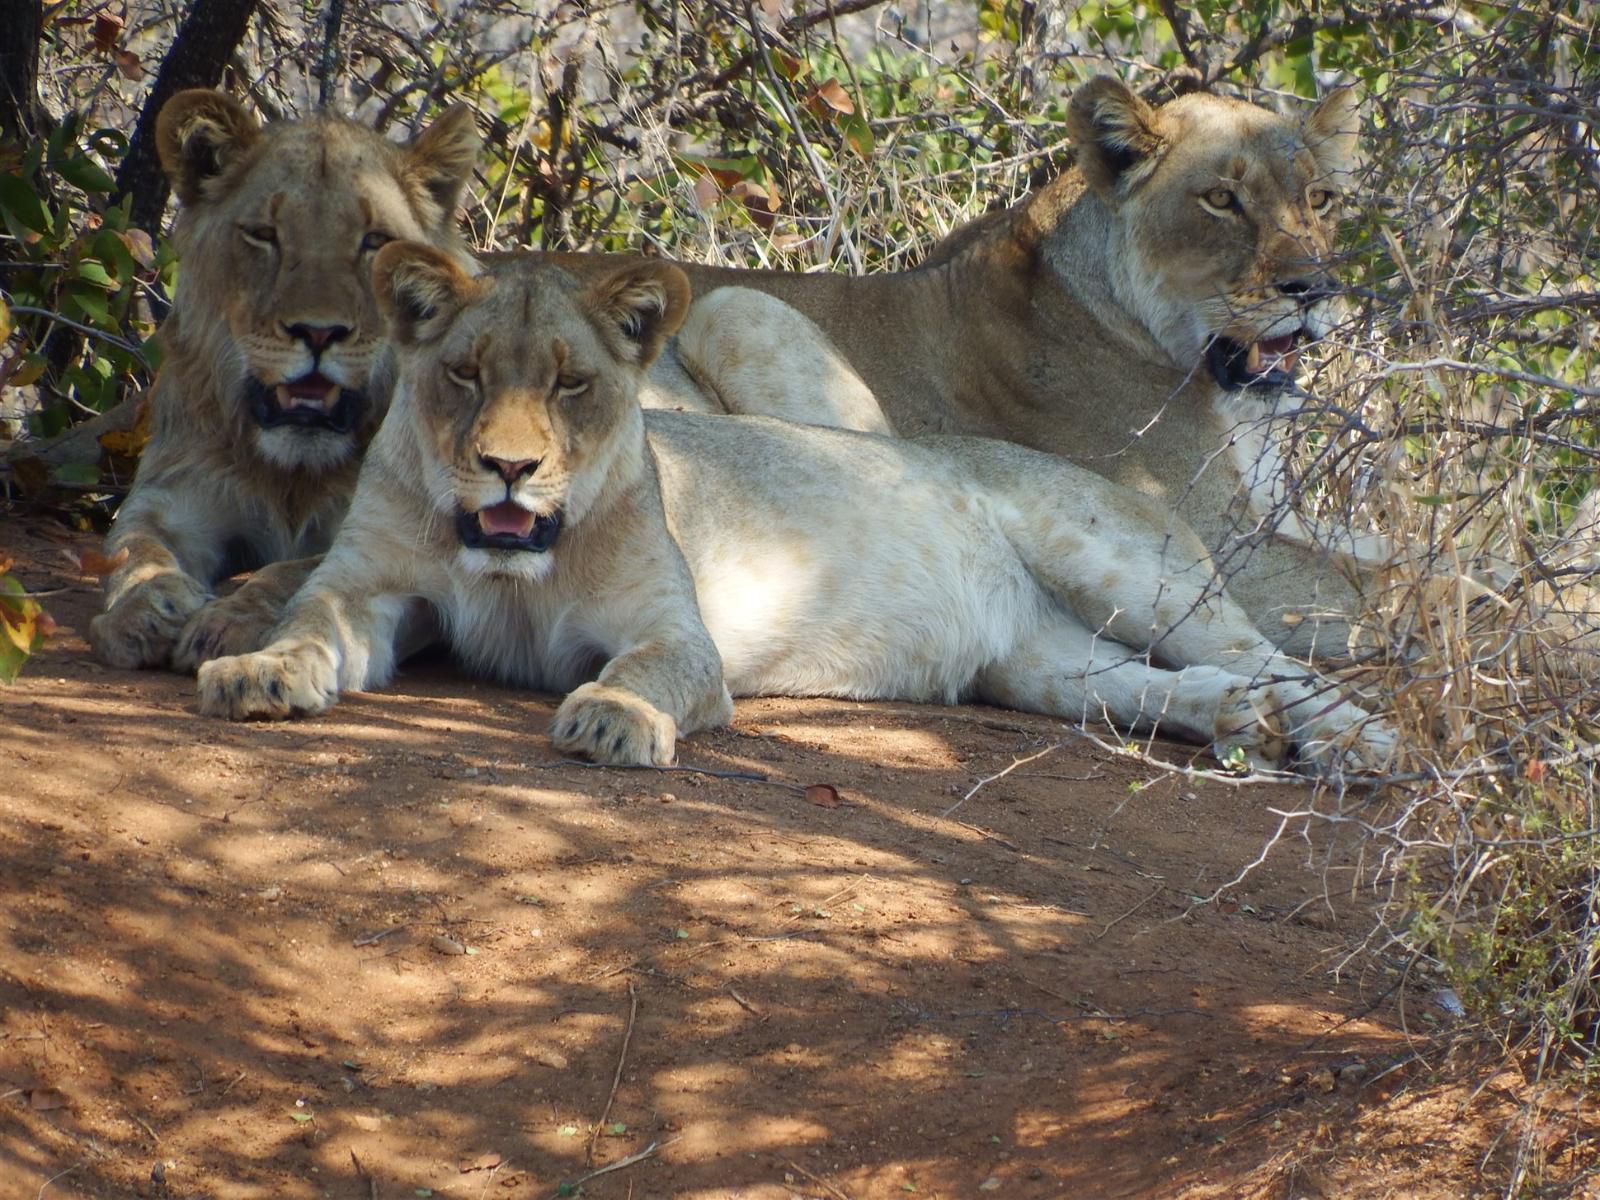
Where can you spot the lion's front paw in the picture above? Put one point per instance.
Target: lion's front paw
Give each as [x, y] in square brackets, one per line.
[615, 727]
[140, 628]
[1249, 729]
[233, 624]
[1349, 740]
[270, 684]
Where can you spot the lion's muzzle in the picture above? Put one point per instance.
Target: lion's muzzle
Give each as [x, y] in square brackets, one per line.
[508, 526]
[313, 402]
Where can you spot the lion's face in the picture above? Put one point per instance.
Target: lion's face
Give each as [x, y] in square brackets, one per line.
[521, 388]
[1222, 215]
[278, 232]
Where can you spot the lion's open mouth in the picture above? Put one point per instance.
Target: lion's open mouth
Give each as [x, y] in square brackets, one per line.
[313, 402]
[1267, 363]
[508, 526]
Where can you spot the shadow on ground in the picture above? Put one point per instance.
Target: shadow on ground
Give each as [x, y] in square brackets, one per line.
[401, 951]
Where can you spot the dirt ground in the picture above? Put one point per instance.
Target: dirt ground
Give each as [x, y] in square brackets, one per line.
[401, 951]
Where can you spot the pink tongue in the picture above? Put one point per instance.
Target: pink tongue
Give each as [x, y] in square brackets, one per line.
[506, 517]
[1278, 345]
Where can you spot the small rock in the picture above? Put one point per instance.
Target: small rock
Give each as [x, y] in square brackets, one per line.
[555, 1060]
[1321, 1080]
[368, 1121]
[445, 944]
[667, 797]
[271, 893]
[991, 1184]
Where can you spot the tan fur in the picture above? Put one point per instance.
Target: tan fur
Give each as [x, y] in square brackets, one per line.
[277, 231]
[652, 564]
[1076, 323]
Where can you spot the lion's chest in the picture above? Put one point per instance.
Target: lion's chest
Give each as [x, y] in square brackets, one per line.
[525, 636]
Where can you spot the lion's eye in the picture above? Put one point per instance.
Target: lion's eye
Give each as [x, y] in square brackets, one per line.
[259, 235]
[1222, 199]
[464, 374]
[1320, 199]
[376, 240]
[571, 385]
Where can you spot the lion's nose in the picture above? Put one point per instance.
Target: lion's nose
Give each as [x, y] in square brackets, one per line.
[1308, 289]
[509, 469]
[318, 337]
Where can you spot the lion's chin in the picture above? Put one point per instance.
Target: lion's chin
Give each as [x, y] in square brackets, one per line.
[310, 452]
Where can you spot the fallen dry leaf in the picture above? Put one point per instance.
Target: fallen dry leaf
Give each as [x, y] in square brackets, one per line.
[46, 1099]
[829, 94]
[92, 562]
[107, 29]
[706, 192]
[823, 795]
[483, 1162]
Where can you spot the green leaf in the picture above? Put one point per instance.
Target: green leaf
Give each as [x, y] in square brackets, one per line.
[92, 305]
[19, 201]
[617, 1128]
[95, 273]
[297, 1115]
[81, 171]
[79, 472]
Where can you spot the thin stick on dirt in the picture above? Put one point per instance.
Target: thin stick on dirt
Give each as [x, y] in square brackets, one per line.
[372, 1184]
[616, 1080]
[53, 1178]
[816, 1179]
[589, 766]
[570, 1187]
[1119, 920]
[1015, 763]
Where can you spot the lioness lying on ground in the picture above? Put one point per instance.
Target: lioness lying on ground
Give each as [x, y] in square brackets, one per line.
[514, 490]
[263, 406]
[1139, 315]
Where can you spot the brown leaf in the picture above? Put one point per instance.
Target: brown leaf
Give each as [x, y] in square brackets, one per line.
[107, 28]
[761, 204]
[788, 65]
[46, 1099]
[829, 94]
[92, 562]
[484, 1162]
[823, 795]
[706, 193]
[128, 65]
[140, 248]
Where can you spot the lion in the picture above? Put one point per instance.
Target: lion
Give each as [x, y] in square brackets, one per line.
[652, 565]
[264, 403]
[1142, 315]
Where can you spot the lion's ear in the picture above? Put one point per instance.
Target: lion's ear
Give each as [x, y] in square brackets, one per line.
[1114, 132]
[1333, 132]
[199, 134]
[645, 302]
[419, 290]
[440, 159]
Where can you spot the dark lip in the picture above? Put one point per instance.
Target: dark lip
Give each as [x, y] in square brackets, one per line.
[1227, 359]
[267, 413]
[538, 540]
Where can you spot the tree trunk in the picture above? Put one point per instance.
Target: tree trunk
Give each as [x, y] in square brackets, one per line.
[206, 40]
[21, 25]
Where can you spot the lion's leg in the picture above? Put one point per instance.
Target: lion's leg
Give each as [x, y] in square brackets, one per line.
[762, 357]
[1063, 669]
[241, 621]
[1140, 578]
[172, 547]
[340, 634]
[631, 715]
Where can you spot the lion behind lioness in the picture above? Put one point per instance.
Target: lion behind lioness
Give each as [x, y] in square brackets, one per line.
[1140, 315]
[264, 403]
[567, 542]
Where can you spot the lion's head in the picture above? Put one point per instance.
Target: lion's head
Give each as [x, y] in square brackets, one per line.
[278, 230]
[1221, 215]
[520, 390]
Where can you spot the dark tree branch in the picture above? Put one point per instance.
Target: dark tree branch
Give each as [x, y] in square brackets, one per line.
[21, 25]
[205, 42]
